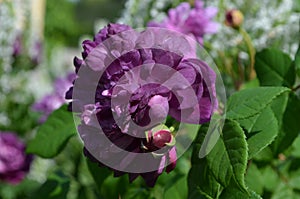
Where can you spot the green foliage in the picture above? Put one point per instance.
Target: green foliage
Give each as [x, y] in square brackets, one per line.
[232, 192]
[20, 119]
[89, 10]
[261, 132]
[254, 179]
[56, 187]
[99, 174]
[224, 167]
[290, 128]
[61, 26]
[251, 102]
[262, 128]
[202, 183]
[274, 68]
[67, 21]
[228, 158]
[297, 57]
[257, 155]
[53, 135]
[20, 191]
[178, 190]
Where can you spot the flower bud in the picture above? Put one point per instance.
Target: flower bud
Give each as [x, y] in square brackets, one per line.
[161, 138]
[234, 18]
[157, 139]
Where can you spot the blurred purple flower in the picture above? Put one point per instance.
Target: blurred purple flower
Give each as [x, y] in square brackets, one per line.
[36, 53]
[14, 163]
[197, 21]
[17, 46]
[131, 100]
[54, 100]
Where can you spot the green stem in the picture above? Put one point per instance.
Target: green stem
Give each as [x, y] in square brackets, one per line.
[251, 50]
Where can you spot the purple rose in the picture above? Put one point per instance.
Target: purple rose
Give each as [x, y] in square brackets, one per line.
[54, 100]
[196, 21]
[14, 163]
[127, 84]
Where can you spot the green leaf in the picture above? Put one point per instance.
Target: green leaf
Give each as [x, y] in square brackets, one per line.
[264, 156]
[262, 130]
[136, 193]
[296, 148]
[99, 174]
[156, 192]
[201, 182]
[56, 187]
[290, 125]
[283, 191]
[115, 187]
[294, 180]
[270, 178]
[228, 158]
[22, 190]
[250, 102]
[297, 57]
[254, 179]
[178, 190]
[85, 192]
[274, 68]
[279, 105]
[263, 127]
[53, 135]
[233, 192]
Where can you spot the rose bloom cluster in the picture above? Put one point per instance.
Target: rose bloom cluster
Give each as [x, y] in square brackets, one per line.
[14, 162]
[136, 80]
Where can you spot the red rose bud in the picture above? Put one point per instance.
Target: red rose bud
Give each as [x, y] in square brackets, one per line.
[234, 18]
[161, 138]
[157, 139]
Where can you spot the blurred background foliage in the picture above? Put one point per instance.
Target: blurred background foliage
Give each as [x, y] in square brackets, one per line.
[67, 20]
